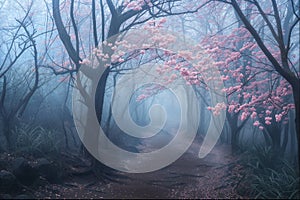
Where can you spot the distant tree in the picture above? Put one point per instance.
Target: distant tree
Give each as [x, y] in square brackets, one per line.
[18, 81]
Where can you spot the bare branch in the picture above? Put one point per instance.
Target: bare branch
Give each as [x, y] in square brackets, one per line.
[63, 35]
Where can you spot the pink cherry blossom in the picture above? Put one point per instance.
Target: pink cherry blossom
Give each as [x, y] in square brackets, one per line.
[256, 123]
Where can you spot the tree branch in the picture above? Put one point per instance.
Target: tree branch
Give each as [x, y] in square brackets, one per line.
[63, 35]
[75, 28]
[94, 23]
[286, 73]
[102, 20]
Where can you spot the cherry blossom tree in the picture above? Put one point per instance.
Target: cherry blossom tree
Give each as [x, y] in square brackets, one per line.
[121, 17]
[258, 58]
[280, 21]
[253, 90]
[256, 91]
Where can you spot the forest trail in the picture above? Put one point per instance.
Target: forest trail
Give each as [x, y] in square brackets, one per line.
[188, 177]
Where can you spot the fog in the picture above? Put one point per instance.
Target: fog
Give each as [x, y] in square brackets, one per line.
[204, 79]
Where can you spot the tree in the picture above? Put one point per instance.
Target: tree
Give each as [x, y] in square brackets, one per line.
[273, 26]
[122, 17]
[21, 41]
[281, 21]
[255, 90]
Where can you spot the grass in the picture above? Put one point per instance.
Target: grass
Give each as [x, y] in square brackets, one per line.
[273, 177]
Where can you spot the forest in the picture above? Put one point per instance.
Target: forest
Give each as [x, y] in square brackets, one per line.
[150, 99]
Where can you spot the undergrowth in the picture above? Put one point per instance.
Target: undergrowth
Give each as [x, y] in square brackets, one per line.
[36, 140]
[272, 177]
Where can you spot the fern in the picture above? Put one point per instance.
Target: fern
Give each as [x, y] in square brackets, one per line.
[35, 140]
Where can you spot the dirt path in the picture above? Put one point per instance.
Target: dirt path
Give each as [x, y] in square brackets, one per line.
[188, 177]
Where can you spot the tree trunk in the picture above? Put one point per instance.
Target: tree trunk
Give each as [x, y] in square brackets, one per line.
[234, 133]
[114, 29]
[285, 139]
[100, 93]
[7, 129]
[296, 94]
